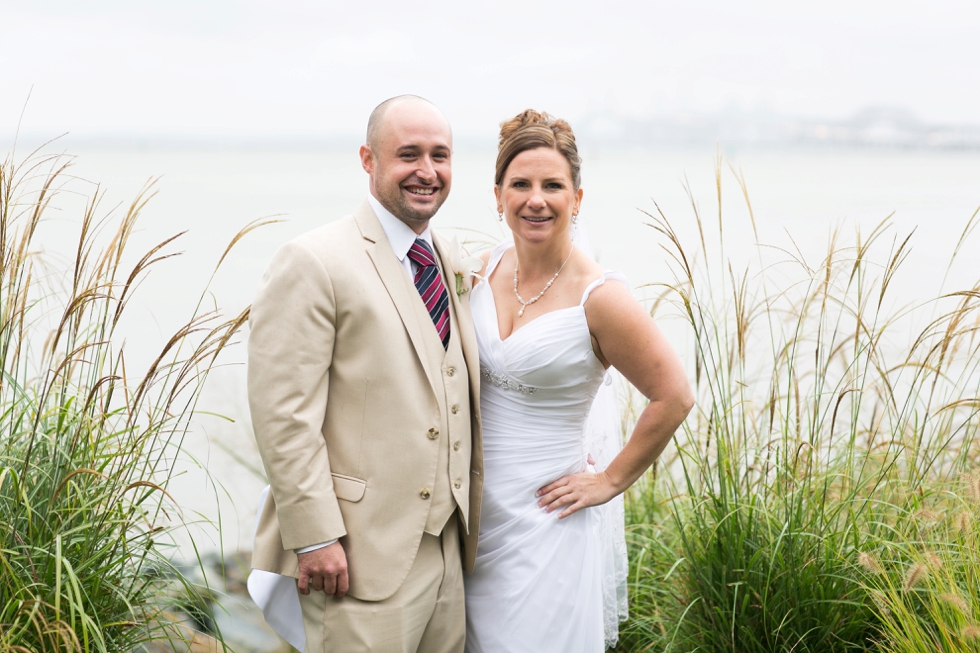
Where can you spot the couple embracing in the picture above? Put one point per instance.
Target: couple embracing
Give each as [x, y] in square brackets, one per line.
[421, 414]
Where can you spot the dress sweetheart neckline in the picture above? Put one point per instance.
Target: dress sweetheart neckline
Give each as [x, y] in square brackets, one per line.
[540, 317]
[495, 257]
[496, 320]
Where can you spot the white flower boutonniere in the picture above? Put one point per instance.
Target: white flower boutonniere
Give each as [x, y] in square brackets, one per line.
[469, 267]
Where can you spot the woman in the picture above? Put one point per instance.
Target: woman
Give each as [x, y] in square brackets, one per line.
[549, 323]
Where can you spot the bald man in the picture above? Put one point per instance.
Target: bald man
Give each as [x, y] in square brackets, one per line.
[363, 381]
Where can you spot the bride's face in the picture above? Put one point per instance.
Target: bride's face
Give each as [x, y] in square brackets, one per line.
[537, 196]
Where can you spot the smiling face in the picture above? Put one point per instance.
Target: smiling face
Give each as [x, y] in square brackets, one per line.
[537, 196]
[409, 162]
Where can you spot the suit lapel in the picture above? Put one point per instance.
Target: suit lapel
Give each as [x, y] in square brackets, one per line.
[403, 294]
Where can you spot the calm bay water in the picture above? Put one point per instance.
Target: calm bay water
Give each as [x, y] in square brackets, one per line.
[213, 192]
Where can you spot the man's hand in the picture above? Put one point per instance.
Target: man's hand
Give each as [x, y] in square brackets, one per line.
[324, 570]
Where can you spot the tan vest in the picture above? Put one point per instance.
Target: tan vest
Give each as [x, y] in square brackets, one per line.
[451, 485]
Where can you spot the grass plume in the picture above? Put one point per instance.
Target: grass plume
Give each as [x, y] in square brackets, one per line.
[85, 446]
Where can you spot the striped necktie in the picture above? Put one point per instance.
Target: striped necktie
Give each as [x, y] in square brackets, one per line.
[429, 283]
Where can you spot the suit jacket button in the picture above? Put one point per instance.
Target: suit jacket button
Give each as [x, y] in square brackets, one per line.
[457, 484]
[425, 494]
[456, 446]
[455, 408]
[451, 371]
[433, 434]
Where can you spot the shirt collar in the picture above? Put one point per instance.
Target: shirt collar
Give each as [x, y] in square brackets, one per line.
[400, 235]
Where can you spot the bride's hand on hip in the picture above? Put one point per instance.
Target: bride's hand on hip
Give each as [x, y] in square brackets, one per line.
[576, 491]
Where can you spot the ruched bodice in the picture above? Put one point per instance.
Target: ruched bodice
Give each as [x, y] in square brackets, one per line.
[536, 582]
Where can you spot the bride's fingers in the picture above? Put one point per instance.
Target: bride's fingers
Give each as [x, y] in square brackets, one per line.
[575, 507]
[572, 493]
[567, 500]
[548, 500]
[571, 501]
[550, 487]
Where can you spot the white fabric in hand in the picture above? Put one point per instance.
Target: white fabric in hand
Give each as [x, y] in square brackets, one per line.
[277, 597]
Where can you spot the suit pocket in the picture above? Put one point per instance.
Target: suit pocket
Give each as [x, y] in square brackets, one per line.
[348, 488]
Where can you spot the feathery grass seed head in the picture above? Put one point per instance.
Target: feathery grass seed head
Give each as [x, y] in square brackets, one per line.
[956, 601]
[972, 486]
[926, 515]
[869, 562]
[915, 576]
[963, 521]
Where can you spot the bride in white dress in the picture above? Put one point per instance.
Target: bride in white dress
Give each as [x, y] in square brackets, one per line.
[549, 322]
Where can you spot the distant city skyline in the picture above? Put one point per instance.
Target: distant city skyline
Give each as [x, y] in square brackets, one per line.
[257, 69]
[870, 127]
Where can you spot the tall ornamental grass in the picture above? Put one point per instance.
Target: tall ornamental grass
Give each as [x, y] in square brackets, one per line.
[828, 423]
[86, 442]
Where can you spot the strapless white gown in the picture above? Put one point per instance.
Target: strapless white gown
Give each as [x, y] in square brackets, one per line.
[537, 585]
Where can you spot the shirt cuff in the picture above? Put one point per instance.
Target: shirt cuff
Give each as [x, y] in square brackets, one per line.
[314, 547]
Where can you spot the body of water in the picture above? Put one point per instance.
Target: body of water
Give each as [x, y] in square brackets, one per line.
[798, 197]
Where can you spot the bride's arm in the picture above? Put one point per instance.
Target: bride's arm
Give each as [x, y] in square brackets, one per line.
[627, 338]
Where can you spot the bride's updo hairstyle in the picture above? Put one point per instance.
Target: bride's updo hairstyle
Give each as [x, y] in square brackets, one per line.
[530, 130]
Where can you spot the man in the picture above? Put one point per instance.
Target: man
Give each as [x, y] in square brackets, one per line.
[363, 379]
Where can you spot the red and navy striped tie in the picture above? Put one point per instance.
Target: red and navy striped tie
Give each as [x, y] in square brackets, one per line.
[429, 283]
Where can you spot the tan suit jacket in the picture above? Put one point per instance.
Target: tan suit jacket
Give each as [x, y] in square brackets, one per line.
[342, 383]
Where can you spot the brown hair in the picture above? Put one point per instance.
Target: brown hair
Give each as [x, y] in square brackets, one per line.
[530, 130]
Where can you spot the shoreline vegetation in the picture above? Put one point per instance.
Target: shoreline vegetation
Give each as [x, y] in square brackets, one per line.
[824, 495]
[86, 445]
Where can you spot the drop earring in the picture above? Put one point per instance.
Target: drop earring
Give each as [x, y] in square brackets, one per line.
[575, 218]
[500, 217]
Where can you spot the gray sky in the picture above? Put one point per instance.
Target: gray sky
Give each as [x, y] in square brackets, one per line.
[299, 67]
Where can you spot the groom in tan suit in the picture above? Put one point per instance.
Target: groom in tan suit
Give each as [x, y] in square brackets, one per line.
[363, 381]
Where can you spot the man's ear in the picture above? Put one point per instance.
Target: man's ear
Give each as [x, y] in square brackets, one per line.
[367, 159]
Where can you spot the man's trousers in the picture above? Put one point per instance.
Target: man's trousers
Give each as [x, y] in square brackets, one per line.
[426, 614]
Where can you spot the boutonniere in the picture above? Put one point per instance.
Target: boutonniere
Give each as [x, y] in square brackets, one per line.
[468, 268]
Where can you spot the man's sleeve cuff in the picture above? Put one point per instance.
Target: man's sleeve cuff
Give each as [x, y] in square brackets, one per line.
[314, 547]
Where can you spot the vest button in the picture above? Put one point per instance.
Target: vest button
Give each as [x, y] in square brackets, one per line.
[456, 446]
[455, 408]
[450, 371]
[425, 494]
[433, 434]
[457, 484]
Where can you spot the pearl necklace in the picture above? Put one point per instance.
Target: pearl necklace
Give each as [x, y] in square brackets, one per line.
[525, 304]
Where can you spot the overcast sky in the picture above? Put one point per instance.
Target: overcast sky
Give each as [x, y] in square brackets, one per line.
[304, 67]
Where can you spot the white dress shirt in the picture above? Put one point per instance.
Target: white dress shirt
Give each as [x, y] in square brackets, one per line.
[401, 237]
